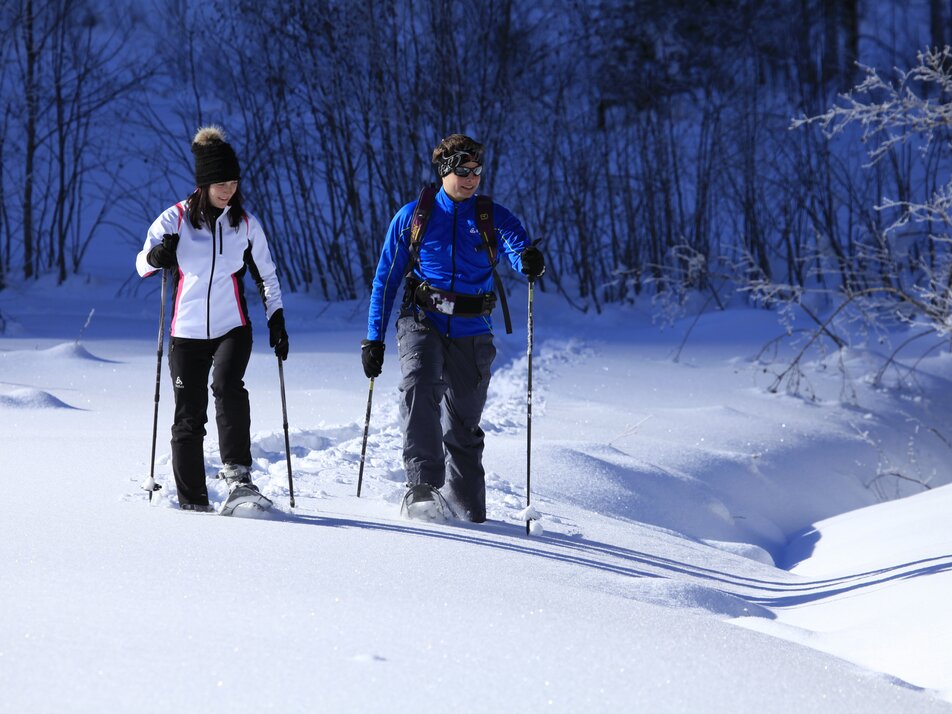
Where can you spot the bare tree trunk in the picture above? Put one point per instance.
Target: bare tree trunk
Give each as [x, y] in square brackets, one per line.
[31, 93]
[5, 228]
[940, 22]
[57, 225]
[849, 17]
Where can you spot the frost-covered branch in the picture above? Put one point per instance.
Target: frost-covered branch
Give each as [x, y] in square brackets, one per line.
[891, 113]
[938, 209]
[904, 274]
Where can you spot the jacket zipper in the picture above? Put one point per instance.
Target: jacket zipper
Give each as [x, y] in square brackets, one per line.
[449, 319]
[211, 278]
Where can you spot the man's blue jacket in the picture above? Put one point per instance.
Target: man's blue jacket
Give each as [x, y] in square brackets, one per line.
[452, 257]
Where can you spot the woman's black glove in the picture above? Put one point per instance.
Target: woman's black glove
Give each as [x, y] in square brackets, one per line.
[371, 354]
[278, 336]
[163, 255]
[533, 264]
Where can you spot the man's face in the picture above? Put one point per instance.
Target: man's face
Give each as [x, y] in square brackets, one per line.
[459, 188]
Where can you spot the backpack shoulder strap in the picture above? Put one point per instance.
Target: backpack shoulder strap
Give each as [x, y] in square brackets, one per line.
[487, 229]
[421, 216]
[485, 226]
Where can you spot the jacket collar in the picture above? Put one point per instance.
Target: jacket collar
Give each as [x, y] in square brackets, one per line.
[446, 203]
[223, 215]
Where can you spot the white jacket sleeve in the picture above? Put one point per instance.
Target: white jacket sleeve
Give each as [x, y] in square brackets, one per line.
[168, 222]
[263, 269]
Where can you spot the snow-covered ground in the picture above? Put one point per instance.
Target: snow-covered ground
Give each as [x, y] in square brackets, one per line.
[706, 545]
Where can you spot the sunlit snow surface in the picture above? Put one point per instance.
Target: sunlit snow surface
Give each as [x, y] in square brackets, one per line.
[701, 543]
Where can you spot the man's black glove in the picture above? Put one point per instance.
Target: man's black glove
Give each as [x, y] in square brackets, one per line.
[533, 264]
[163, 255]
[371, 354]
[278, 336]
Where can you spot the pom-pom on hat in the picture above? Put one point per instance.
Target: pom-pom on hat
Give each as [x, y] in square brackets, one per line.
[215, 160]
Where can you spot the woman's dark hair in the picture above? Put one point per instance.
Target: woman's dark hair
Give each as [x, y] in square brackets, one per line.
[200, 210]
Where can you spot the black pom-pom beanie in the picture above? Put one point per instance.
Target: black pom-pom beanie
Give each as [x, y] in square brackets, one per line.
[215, 160]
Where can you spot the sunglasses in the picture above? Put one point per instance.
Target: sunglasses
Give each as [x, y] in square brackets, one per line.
[465, 171]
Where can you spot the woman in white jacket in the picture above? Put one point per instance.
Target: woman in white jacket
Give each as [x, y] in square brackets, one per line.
[207, 243]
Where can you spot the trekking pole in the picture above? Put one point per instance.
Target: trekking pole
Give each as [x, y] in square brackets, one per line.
[287, 439]
[363, 446]
[149, 484]
[529, 410]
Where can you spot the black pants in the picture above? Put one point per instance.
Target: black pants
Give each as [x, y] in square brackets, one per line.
[190, 361]
[444, 389]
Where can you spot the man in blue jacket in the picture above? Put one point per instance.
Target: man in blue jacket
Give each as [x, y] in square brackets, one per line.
[444, 328]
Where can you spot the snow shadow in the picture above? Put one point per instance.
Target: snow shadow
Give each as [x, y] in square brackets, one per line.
[788, 593]
[823, 589]
[579, 552]
[717, 591]
[800, 548]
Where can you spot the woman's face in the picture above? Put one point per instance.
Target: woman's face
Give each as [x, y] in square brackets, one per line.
[459, 188]
[220, 193]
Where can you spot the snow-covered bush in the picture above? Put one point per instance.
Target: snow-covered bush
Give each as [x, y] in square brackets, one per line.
[903, 272]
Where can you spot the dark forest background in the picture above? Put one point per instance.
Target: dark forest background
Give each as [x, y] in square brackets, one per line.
[648, 142]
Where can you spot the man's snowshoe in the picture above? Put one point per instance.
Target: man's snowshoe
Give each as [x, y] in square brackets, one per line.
[422, 502]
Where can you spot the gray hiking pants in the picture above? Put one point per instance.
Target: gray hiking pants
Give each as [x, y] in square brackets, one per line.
[444, 386]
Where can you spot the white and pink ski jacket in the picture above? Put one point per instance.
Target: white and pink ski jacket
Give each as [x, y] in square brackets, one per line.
[207, 285]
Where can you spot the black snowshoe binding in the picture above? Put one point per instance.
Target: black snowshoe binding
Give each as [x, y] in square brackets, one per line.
[241, 490]
[422, 502]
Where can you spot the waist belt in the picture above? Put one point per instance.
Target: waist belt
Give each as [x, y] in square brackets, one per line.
[455, 304]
